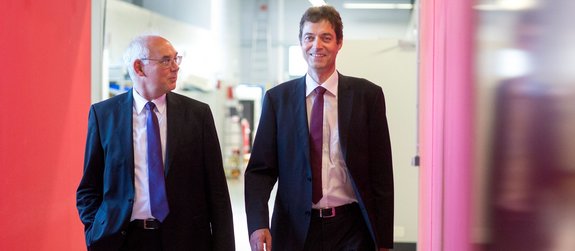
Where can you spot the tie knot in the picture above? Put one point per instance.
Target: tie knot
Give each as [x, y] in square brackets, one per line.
[320, 90]
[150, 106]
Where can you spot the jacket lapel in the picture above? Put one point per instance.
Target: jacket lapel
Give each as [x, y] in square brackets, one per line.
[298, 98]
[345, 108]
[173, 119]
[125, 128]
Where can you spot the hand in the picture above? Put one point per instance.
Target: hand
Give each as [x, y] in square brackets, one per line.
[261, 238]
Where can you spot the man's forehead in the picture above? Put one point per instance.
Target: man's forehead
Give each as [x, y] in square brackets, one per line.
[319, 22]
[322, 25]
[163, 50]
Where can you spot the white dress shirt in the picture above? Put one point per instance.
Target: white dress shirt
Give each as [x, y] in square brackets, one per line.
[141, 209]
[336, 184]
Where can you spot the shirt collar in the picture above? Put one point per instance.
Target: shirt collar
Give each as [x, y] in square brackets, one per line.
[330, 84]
[140, 102]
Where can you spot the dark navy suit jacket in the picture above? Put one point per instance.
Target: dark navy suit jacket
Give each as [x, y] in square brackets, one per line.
[200, 215]
[281, 153]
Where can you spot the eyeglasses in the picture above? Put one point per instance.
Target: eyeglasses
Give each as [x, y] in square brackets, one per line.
[166, 62]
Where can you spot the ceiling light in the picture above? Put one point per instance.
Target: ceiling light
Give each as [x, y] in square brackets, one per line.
[317, 2]
[506, 5]
[380, 6]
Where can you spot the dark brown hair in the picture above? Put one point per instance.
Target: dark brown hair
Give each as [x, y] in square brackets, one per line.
[319, 13]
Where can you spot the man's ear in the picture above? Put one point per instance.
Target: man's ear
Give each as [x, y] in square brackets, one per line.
[138, 68]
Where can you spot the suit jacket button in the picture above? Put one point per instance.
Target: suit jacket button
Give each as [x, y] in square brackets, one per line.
[123, 232]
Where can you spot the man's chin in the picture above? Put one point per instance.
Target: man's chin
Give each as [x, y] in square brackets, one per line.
[171, 86]
[318, 67]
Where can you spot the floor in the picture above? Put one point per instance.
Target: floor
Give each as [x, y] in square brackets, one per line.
[236, 188]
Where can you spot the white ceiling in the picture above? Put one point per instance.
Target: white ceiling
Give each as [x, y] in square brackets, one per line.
[358, 23]
[236, 22]
[284, 15]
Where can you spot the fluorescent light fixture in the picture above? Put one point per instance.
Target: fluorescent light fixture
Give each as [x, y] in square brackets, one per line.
[317, 2]
[506, 5]
[379, 6]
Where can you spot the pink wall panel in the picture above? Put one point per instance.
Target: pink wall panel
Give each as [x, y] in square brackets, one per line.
[446, 113]
[44, 100]
[431, 179]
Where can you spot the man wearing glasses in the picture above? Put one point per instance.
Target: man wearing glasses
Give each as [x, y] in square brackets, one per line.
[153, 175]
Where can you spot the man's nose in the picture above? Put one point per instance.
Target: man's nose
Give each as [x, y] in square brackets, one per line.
[316, 43]
[174, 65]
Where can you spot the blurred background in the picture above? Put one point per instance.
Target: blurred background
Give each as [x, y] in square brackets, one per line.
[525, 120]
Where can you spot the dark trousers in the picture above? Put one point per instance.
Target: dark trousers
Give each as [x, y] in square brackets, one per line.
[139, 239]
[344, 232]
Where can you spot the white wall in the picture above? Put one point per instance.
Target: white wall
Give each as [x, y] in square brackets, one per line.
[124, 21]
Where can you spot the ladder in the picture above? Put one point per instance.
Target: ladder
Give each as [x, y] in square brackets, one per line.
[260, 45]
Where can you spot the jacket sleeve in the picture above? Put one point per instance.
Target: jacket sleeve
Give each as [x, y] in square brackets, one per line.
[219, 198]
[89, 192]
[381, 172]
[262, 170]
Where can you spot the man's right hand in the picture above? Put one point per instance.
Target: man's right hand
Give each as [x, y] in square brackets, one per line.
[261, 240]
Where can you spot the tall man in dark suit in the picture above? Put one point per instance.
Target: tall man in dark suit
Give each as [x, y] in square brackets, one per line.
[116, 200]
[335, 187]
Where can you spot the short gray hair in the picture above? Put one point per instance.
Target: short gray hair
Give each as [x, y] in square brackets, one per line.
[137, 49]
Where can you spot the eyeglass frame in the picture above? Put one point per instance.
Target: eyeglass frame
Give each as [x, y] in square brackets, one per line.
[166, 62]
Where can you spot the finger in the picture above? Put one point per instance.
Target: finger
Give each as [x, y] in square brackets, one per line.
[258, 246]
[269, 241]
[268, 244]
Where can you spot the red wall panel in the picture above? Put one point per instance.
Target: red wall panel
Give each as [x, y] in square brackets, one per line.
[44, 100]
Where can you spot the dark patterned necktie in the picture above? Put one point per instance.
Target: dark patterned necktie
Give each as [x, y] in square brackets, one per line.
[316, 142]
[157, 186]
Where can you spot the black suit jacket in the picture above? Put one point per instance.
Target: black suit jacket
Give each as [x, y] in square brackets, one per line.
[281, 153]
[200, 215]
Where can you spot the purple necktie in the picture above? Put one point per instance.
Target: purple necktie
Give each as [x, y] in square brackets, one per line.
[316, 142]
[157, 186]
